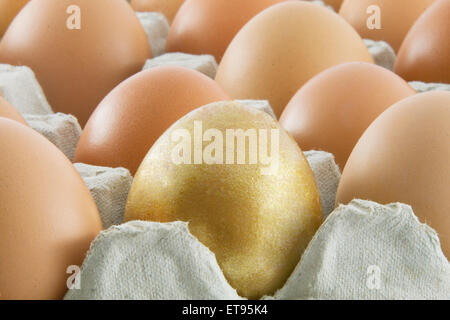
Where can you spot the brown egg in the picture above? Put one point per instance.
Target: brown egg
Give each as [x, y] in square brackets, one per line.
[207, 27]
[333, 109]
[8, 111]
[8, 10]
[77, 67]
[425, 53]
[168, 7]
[395, 18]
[404, 157]
[48, 217]
[336, 4]
[282, 48]
[256, 217]
[130, 119]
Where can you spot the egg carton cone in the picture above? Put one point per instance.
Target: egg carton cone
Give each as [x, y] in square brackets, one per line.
[262, 105]
[156, 28]
[365, 250]
[204, 63]
[63, 130]
[20, 87]
[382, 53]
[109, 187]
[425, 87]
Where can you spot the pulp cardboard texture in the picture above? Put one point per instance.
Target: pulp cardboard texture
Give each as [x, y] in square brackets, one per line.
[156, 28]
[204, 63]
[382, 53]
[109, 187]
[365, 250]
[63, 130]
[20, 88]
[262, 105]
[362, 251]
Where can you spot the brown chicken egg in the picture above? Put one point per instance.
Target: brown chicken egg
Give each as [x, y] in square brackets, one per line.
[387, 20]
[79, 49]
[47, 215]
[425, 53]
[336, 4]
[333, 109]
[256, 216]
[8, 111]
[404, 157]
[8, 10]
[283, 47]
[167, 7]
[207, 27]
[130, 119]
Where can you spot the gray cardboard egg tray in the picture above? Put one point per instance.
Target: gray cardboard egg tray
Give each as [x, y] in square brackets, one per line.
[316, 276]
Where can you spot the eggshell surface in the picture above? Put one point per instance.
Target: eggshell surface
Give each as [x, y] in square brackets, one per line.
[47, 215]
[78, 49]
[283, 47]
[207, 27]
[167, 7]
[332, 110]
[257, 225]
[8, 111]
[425, 53]
[395, 18]
[404, 157]
[8, 10]
[133, 116]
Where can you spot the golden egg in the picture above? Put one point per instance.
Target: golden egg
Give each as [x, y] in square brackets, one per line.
[243, 185]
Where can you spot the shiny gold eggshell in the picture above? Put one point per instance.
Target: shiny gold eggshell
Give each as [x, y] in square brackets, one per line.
[258, 225]
[404, 157]
[47, 215]
[284, 46]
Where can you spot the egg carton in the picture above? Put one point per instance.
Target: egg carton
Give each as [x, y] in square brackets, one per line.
[386, 244]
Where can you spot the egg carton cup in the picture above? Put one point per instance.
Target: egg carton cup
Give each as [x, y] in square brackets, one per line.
[20, 88]
[204, 63]
[109, 187]
[63, 130]
[382, 53]
[363, 250]
[156, 28]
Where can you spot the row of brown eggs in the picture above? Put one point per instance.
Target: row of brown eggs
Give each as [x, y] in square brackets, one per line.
[400, 157]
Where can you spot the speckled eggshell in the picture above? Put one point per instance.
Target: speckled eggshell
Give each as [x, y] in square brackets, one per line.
[130, 119]
[404, 157]
[332, 110]
[284, 46]
[77, 67]
[47, 216]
